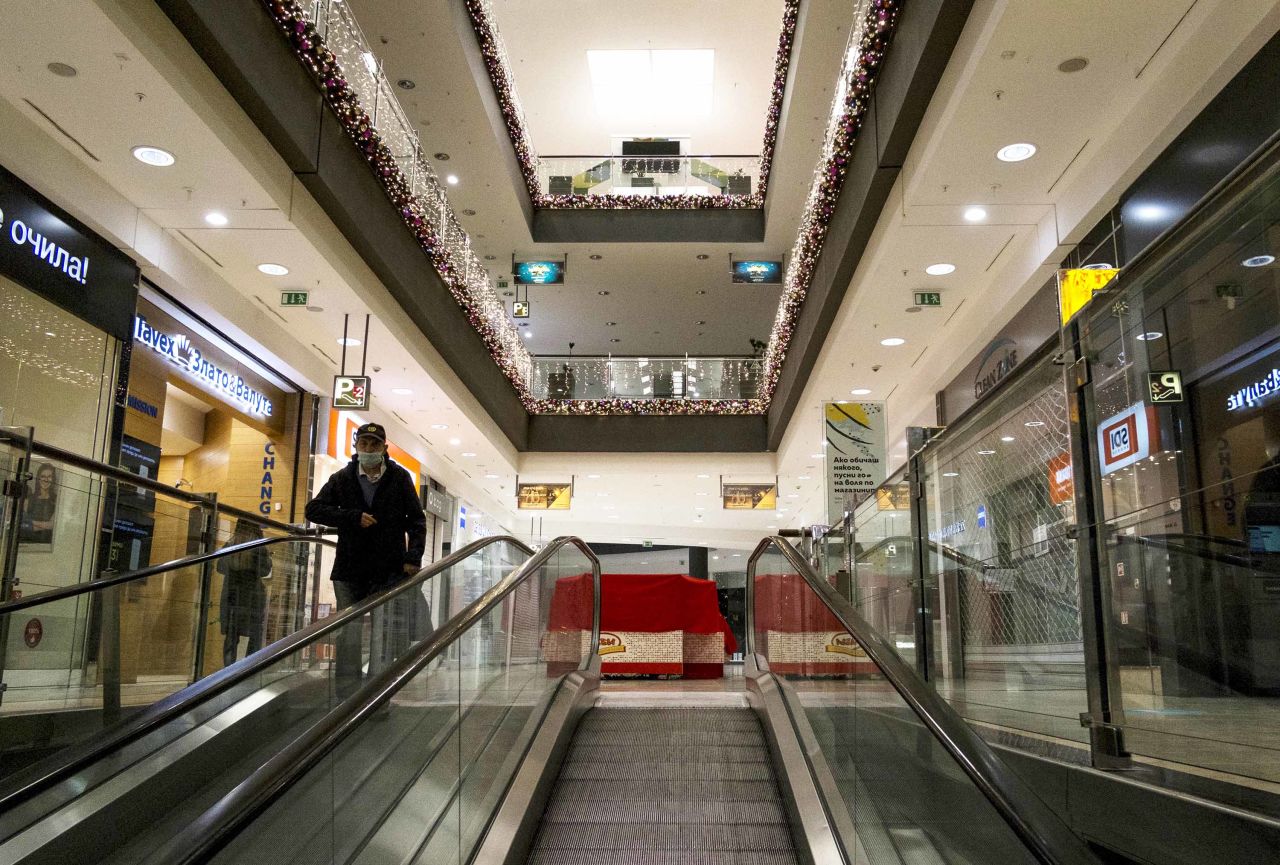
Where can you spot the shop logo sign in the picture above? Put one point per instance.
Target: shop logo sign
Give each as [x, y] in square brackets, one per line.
[47, 251]
[611, 644]
[995, 367]
[179, 350]
[1165, 387]
[1062, 486]
[843, 643]
[982, 516]
[1124, 439]
[1250, 395]
[950, 531]
[351, 392]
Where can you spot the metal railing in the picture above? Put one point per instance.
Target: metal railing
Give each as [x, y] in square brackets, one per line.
[638, 378]
[649, 176]
[1044, 833]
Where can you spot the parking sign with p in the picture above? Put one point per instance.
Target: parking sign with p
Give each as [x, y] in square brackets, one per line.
[1165, 386]
[351, 392]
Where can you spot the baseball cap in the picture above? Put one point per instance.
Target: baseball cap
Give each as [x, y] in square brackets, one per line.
[372, 430]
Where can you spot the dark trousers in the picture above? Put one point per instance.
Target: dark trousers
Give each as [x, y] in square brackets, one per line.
[395, 625]
[235, 629]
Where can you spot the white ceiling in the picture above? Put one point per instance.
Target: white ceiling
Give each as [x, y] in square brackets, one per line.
[549, 60]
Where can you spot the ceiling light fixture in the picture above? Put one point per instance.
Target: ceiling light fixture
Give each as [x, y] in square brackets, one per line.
[349, 341]
[603, 293]
[1075, 64]
[439, 426]
[941, 269]
[492, 477]
[62, 70]
[974, 214]
[803, 478]
[401, 391]
[1149, 335]
[595, 256]
[986, 452]
[273, 269]
[441, 157]
[455, 442]
[216, 219]
[860, 391]
[153, 156]
[1007, 438]
[406, 84]
[1258, 260]
[468, 212]
[657, 85]
[951, 474]
[1016, 152]
[1033, 424]
[528, 334]
[452, 180]
[703, 256]
[615, 339]
[468, 453]
[610, 324]
[1098, 265]
[892, 341]
[593, 477]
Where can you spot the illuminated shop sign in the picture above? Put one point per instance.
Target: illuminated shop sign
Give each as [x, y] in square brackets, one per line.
[48, 251]
[539, 273]
[1252, 394]
[180, 352]
[1124, 439]
[949, 531]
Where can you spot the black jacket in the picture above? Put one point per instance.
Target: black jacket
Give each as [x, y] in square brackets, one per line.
[376, 556]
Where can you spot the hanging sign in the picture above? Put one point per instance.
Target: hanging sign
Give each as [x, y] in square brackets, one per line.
[351, 392]
[1124, 439]
[293, 298]
[1076, 288]
[855, 437]
[1062, 486]
[544, 497]
[1165, 387]
[749, 497]
[927, 298]
[519, 309]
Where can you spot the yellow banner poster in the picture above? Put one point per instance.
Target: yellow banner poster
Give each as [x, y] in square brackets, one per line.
[855, 435]
[1076, 288]
[749, 497]
[544, 497]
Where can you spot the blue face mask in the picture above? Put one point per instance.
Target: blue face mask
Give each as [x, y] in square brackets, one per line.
[369, 461]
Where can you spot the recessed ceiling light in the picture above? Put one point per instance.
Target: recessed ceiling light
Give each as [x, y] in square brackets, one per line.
[595, 257]
[406, 84]
[273, 269]
[153, 156]
[817, 456]
[468, 453]
[700, 291]
[703, 256]
[986, 452]
[1034, 423]
[610, 324]
[1258, 260]
[860, 391]
[492, 477]
[491, 258]
[603, 293]
[700, 508]
[951, 474]
[348, 340]
[703, 477]
[1149, 212]
[62, 70]
[528, 334]
[439, 426]
[974, 214]
[1149, 335]
[1007, 438]
[615, 339]
[311, 307]
[793, 495]
[401, 391]
[1098, 265]
[892, 341]
[452, 180]
[216, 219]
[1016, 152]
[803, 478]
[49, 333]
[455, 442]
[941, 269]
[1075, 64]
[468, 212]
[441, 157]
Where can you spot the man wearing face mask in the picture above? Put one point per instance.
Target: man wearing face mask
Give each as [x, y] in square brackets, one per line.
[382, 531]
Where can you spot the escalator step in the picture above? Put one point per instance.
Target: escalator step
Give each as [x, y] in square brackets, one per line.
[630, 770]
[669, 790]
[660, 857]
[650, 721]
[621, 811]
[685, 738]
[615, 752]
[633, 836]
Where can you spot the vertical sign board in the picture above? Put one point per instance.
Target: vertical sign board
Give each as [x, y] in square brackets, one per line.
[1124, 439]
[351, 392]
[855, 435]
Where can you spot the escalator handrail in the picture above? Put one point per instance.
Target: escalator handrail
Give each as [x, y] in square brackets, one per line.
[102, 583]
[1047, 837]
[1168, 543]
[122, 475]
[209, 833]
[24, 785]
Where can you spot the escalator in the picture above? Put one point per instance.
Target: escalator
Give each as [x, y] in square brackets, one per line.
[489, 742]
[112, 795]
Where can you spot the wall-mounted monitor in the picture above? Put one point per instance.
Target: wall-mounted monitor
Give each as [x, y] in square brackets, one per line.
[539, 272]
[651, 147]
[757, 272]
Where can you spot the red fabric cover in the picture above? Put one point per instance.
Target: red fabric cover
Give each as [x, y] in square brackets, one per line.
[641, 602]
[784, 602]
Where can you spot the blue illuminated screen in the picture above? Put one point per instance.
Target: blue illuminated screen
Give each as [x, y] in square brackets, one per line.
[759, 272]
[539, 273]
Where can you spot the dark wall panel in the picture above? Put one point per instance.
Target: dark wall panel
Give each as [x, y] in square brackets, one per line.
[630, 434]
[648, 226]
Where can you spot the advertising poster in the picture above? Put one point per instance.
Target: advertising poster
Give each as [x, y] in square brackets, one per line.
[855, 437]
[749, 497]
[544, 497]
[757, 272]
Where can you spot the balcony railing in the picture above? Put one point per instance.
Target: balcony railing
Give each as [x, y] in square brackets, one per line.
[688, 378]
[649, 176]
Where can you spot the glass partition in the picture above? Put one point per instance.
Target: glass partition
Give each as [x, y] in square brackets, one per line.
[649, 176]
[420, 780]
[899, 787]
[884, 584]
[243, 726]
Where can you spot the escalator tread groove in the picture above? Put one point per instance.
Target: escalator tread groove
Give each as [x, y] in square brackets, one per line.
[668, 786]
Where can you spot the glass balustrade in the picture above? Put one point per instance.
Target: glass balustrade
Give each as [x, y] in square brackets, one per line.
[649, 176]
[641, 378]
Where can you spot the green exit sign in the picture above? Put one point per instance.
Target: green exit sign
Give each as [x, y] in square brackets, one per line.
[928, 298]
[293, 298]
